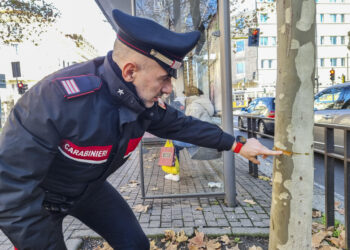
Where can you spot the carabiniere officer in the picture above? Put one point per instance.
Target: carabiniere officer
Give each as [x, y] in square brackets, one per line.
[77, 126]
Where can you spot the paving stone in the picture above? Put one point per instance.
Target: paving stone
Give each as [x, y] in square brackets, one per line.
[239, 210]
[235, 224]
[199, 223]
[166, 224]
[246, 222]
[177, 223]
[73, 244]
[188, 218]
[189, 223]
[222, 222]
[241, 216]
[154, 223]
[216, 231]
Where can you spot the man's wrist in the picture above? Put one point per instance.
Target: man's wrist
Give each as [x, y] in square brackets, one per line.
[238, 144]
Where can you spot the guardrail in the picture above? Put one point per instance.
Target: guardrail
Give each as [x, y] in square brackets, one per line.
[329, 156]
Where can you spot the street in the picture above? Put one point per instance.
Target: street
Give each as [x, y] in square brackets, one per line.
[319, 164]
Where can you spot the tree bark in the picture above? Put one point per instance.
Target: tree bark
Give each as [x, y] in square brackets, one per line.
[291, 208]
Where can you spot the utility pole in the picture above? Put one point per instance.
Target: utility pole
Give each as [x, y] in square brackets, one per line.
[291, 208]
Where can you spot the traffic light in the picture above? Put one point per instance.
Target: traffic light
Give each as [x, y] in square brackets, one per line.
[331, 74]
[253, 39]
[21, 87]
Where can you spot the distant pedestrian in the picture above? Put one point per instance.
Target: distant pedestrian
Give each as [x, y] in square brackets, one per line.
[249, 100]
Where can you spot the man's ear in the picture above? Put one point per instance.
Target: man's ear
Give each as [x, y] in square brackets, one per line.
[128, 72]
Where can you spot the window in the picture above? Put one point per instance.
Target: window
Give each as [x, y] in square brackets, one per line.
[333, 61]
[333, 39]
[328, 100]
[322, 40]
[341, 18]
[239, 46]
[342, 39]
[322, 62]
[342, 61]
[273, 41]
[240, 23]
[270, 64]
[15, 47]
[262, 62]
[263, 41]
[240, 68]
[333, 18]
[332, 1]
[321, 18]
[263, 18]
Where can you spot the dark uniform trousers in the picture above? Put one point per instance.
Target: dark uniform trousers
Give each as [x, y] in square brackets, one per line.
[108, 214]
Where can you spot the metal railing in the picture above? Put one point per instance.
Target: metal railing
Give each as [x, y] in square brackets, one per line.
[329, 156]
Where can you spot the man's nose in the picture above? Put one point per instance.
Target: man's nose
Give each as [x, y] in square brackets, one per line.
[168, 88]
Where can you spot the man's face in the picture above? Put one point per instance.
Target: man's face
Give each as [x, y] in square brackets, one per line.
[151, 82]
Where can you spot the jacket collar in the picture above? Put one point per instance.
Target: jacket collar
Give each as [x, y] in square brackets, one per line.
[119, 91]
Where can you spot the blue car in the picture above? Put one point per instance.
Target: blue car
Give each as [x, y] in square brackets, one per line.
[262, 107]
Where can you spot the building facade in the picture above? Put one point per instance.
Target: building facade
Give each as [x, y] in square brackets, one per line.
[254, 69]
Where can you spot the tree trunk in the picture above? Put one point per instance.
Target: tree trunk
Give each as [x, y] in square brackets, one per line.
[291, 208]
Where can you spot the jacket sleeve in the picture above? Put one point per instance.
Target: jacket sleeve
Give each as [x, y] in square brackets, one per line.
[28, 145]
[173, 124]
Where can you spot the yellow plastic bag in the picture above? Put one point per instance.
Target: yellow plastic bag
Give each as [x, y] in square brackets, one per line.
[171, 169]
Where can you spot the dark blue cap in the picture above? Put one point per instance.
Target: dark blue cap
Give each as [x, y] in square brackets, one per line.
[151, 39]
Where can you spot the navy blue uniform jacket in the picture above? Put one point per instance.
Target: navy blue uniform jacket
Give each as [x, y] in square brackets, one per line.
[67, 134]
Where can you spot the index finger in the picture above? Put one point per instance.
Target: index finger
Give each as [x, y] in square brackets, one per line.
[267, 151]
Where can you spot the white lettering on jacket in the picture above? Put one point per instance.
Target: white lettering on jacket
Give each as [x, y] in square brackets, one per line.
[87, 154]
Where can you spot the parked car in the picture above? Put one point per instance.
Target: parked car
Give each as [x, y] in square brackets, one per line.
[262, 107]
[332, 106]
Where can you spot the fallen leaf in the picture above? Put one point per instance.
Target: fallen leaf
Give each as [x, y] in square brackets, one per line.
[342, 239]
[123, 189]
[181, 237]
[104, 246]
[170, 235]
[141, 208]
[233, 248]
[126, 197]
[171, 247]
[255, 248]
[264, 178]
[197, 240]
[335, 241]
[153, 246]
[317, 238]
[213, 245]
[251, 202]
[148, 166]
[199, 209]
[154, 189]
[316, 227]
[133, 181]
[225, 239]
[328, 248]
[191, 247]
[316, 214]
[341, 210]
[132, 185]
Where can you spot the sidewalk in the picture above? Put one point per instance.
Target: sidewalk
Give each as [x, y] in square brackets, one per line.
[208, 215]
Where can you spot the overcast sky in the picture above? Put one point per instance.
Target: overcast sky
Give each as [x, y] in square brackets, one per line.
[85, 17]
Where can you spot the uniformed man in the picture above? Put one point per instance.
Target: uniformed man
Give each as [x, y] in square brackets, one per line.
[74, 128]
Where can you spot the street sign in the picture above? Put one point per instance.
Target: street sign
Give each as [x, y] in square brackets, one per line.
[16, 69]
[2, 81]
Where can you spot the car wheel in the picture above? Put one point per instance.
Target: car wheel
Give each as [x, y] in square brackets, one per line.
[262, 128]
[240, 123]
